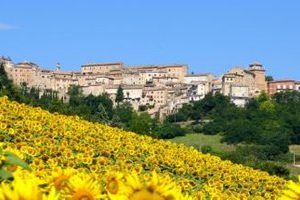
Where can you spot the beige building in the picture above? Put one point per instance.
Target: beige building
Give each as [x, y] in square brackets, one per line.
[151, 71]
[93, 89]
[260, 76]
[164, 80]
[154, 96]
[102, 68]
[198, 78]
[239, 94]
[133, 79]
[25, 72]
[253, 78]
[216, 85]
[198, 85]
[238, 76]
[241, 84]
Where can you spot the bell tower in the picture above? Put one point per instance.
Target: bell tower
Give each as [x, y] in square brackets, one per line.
[57, 66]
[260, 76]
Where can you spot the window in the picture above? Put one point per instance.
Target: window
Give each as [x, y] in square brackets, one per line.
[284, 86]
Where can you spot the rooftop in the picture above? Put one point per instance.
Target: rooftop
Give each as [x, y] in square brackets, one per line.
[196, 75]
[156, 66]
[281, 81]
[101, 64]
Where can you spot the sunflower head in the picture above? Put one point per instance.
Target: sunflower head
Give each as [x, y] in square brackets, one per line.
[292, 191]
[83, 187]
[157, 188]
[21, 189]
[114, 182]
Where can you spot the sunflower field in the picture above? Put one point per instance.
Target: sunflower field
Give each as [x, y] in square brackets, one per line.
[69, 158]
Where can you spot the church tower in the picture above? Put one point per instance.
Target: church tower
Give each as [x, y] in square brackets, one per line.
[260, 76]
[57, 66]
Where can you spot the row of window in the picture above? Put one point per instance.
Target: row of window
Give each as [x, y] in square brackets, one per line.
[285, 87]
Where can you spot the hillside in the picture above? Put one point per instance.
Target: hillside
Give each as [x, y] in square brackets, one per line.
[77, 159]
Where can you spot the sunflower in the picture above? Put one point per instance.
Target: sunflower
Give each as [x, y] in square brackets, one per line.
[114, 182]
[82, 187]
[158, 188]
[292, 192]
[53, 195]
[59, 179]
[21, 189]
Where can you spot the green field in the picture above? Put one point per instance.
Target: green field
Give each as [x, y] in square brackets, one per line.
[199, 140]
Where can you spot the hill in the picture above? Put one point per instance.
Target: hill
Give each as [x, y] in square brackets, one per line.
[75, 158]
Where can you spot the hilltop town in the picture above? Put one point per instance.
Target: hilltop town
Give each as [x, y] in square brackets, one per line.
[159, 89]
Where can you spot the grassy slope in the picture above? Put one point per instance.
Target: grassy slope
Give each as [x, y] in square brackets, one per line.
[199, 140]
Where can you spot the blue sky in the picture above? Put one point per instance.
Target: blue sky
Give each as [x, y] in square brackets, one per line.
[209, 36]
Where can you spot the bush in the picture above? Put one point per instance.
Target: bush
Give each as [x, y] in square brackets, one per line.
[212, 128]
[206, 149]
[197, 129]
[168, 131]
[273, 169]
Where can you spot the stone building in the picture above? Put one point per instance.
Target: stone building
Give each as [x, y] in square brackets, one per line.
[239, 94]
[241, 84]
[154, 96]
[150, 71]
[25, 72]
[198, 85]
[95, 90]
[238, 76]
[102, 68]
[260, 77]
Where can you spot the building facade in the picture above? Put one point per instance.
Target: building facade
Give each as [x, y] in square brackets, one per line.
[280, 86]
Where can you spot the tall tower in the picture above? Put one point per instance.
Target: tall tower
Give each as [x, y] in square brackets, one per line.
[260, 76]
[57, 66]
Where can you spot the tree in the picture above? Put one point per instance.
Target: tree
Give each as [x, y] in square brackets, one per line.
[269, 78]
[120, 95]
[101, 114]
[7, 87]
[76, 96]
[124, 113]
[168, 131]
[263, 96]
[141, 123]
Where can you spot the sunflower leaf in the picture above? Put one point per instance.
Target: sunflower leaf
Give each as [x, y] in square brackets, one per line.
[12, 159]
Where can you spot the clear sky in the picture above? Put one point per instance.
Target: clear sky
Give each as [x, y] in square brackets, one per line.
[208, 35]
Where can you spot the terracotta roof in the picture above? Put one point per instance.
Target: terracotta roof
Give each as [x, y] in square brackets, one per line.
[278, 81]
